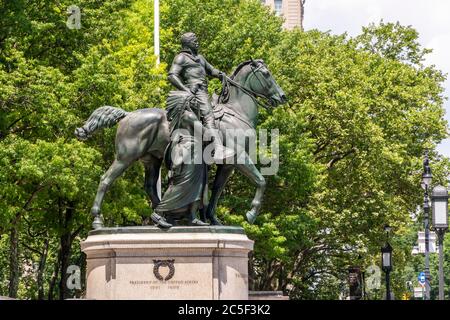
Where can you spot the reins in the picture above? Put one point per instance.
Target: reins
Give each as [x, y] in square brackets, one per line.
[247, 91]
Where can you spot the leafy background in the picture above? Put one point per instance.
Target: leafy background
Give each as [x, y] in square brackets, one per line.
[361, 112]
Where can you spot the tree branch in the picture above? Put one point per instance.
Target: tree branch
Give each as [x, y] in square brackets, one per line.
[32, 249]
[339, 157]
[25, 206]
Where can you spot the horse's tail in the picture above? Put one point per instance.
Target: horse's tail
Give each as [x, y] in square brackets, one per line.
[101, 118]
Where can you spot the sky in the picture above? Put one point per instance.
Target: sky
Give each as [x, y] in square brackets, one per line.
[431, 18]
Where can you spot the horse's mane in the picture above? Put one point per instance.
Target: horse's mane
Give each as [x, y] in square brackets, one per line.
[239, 67]
[243, 64]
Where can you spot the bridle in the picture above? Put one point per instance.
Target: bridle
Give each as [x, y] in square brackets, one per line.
[265, 87]
[253, 94]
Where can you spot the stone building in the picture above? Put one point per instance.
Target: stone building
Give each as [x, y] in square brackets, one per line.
[290, 10]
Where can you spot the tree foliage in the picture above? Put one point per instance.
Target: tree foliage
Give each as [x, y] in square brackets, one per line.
[361, 112]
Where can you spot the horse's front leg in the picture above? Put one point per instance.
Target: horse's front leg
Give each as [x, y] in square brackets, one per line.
[152, 171]
[248, 168]
[220, 180]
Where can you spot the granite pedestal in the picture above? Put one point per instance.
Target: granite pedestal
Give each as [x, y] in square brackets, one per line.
[188, 263]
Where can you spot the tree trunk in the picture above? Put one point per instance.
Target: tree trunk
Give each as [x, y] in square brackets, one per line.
[267, 277]
[251, 272]
[14, 270]
[14, 267]
[51, 287]
[66, 247]
[40, 275]
[281, 279]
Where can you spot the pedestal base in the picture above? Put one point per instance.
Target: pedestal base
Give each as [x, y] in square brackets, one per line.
[183, 263]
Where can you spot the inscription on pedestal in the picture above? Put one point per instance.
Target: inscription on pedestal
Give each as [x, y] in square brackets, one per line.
[159, 285]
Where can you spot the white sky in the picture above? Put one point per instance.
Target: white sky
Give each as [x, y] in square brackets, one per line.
[431, 18]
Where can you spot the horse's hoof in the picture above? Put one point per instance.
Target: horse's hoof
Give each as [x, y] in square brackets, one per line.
[95, 211]
[160, 221]
[98, 223]
[198, 222]
[214, 221]
[251, 217]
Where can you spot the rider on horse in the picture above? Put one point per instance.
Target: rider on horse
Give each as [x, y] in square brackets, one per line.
[189, 73]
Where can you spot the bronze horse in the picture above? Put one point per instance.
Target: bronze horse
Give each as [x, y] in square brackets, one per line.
[144, 135]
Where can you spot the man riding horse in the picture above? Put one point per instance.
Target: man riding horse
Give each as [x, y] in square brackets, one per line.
[189, 73]
[146, 135]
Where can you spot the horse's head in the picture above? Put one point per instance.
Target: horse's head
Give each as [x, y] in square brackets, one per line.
[261, 81]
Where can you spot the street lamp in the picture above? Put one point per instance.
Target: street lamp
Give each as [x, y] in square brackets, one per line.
[386, 262]
[439, 199]
[426, 182]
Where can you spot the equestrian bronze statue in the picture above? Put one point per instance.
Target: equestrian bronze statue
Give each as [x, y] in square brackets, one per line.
[146, 135]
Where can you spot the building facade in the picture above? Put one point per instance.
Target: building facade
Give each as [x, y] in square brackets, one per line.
[290, 10]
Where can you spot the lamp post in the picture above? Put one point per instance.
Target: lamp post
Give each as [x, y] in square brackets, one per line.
[439, 199]
[426, 182]
[386, 262]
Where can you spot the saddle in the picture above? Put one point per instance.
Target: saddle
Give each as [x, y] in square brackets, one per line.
[220, 109]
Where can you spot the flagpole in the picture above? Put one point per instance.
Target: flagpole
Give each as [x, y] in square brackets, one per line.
[157, 54]
[156, 30]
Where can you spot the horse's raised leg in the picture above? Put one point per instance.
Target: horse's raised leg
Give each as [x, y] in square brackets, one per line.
[220, 180]
[250, 171]
[114, 171]
[152, 169]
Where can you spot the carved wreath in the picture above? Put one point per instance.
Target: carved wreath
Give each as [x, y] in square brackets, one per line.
[163, 263]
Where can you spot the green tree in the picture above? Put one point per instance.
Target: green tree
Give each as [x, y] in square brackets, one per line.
[358, 118]
[51, 78]
[361, 112]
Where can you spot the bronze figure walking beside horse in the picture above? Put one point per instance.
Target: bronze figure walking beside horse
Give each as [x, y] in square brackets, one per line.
[144, 135]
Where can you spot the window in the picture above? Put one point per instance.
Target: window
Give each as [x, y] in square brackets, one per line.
[278, 6]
